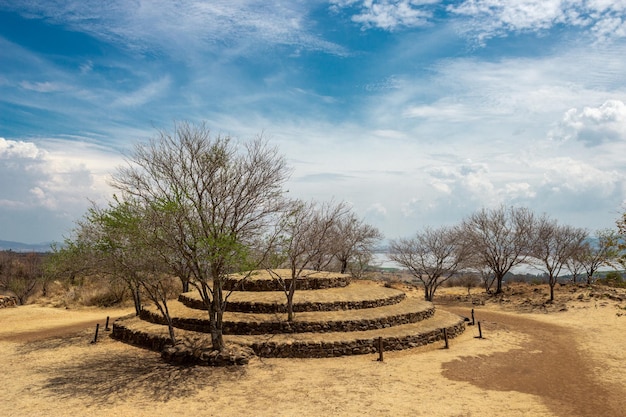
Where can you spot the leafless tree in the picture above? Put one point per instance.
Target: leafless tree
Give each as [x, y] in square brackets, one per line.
[306, 231]
[432, 256]
[601, 251]
[354, 242]
[555, 245]
[575, 264]
[500, 238]
[210, 199]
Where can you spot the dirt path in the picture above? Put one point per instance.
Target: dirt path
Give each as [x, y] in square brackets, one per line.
[547, 365]
[60, 331]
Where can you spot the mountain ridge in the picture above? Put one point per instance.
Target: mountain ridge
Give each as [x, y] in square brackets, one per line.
[25, 247]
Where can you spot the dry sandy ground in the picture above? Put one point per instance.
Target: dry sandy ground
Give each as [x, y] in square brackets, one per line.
[567, 363]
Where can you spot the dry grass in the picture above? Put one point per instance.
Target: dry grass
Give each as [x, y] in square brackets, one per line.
[51, 369]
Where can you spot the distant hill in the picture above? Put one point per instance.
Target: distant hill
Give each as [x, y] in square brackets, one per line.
[25, 247]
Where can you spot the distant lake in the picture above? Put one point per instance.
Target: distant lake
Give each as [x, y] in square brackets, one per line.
[381, 260]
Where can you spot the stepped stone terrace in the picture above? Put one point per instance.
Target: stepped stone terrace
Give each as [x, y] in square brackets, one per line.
[334, 316]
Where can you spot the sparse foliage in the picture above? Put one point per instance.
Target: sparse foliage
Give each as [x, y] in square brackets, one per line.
[433, 256]
[354, 243]
[555, 245]
[500, 239]
[306, 232]
[210, 201]
[599, 252]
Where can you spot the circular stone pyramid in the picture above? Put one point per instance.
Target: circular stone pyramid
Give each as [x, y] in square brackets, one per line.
[334, 316]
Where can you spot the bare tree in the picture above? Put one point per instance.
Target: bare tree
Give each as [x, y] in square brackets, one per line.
[433, 256]
[354, 242]
[212, 199]
[555, 245]
[500, 238]
[574, 264]
[306, 236]
[601, 251]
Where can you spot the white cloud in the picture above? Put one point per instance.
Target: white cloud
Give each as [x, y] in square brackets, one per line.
[567, 175]
[144, 94]
[181, 27]
[441, 110]
[11, 149]
[593, 125]
[389, 14]
[491, 18]
[49, 184]
[42, 87]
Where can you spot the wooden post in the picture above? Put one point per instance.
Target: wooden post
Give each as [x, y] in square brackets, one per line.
[480, 331]
[445, 337]
[106, 326]
[380, 349]
[95, 338]
[473, 322]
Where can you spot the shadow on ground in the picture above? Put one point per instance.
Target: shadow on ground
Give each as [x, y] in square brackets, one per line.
[101, 377]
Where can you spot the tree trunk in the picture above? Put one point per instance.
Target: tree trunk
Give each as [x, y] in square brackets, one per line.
[499, 286]
[136, 299]
[185, 284]
[170, 328]
[292, 290]
[552, 283]
[217, 339]
[216, 320]
[344, 265]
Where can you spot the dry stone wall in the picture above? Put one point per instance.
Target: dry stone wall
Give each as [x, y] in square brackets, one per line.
[259, 307]
[355, 347]
[277, 327]
[313, 283]
[8, 301]
[297, 349]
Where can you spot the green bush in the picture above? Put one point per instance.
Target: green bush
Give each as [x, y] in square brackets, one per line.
[612, 279]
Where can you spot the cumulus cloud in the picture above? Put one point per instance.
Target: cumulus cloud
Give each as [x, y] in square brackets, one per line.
[11, 150]
[376, 211]
[593, 125]
[465, 181]
[567, 175]
[31, 176]
[48, 188]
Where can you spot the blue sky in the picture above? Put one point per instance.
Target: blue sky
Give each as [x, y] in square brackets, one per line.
[417, 112]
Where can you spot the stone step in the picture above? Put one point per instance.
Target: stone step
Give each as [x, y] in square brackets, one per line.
[408, 310]
[359, 295]
[303, 345]
[262, 280]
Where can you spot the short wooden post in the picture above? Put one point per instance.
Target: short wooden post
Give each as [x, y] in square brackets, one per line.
[473, 322]
[380, 349]
[106, 326]
[480, 331]
[95, 338]
[445, 337]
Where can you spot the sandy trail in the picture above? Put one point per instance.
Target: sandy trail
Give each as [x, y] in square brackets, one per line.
[548, 364]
